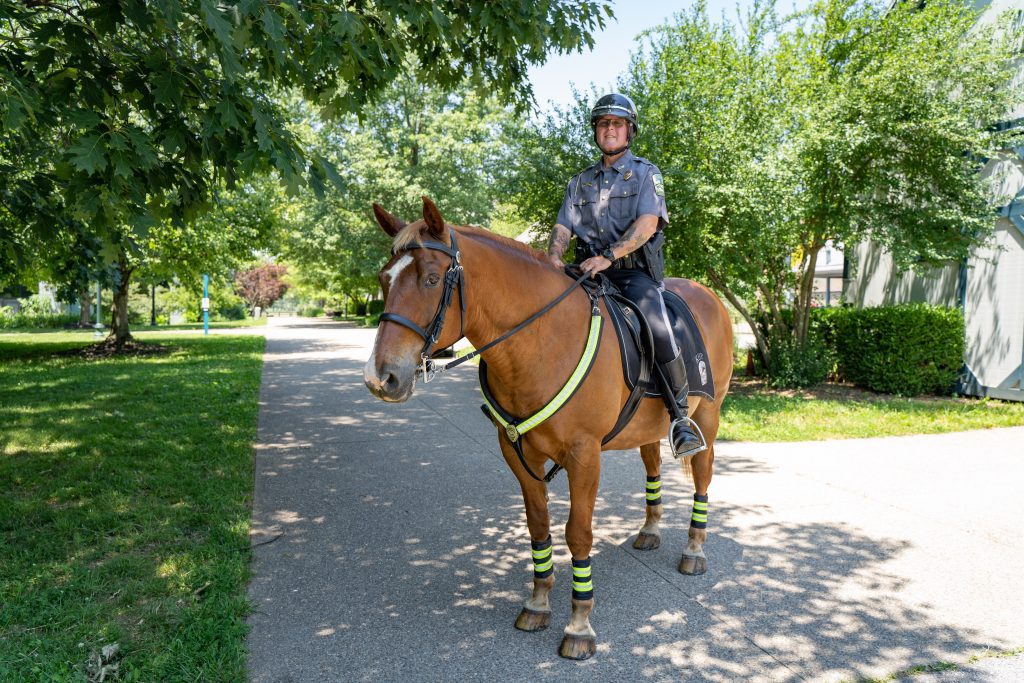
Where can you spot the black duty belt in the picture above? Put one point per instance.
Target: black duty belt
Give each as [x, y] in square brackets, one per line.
[631, 260]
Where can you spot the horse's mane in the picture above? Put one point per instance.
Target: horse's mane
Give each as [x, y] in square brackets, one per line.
[414, 233]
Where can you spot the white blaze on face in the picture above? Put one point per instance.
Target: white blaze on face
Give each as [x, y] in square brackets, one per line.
[393, 272]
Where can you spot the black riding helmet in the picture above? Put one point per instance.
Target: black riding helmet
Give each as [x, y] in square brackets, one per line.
[616, 104]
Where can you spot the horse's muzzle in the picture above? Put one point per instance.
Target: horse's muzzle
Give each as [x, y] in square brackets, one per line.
[392, 382]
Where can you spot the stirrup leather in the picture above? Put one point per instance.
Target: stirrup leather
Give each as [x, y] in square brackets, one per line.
[696, 430]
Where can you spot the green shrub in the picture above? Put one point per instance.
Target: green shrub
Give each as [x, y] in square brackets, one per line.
[34, 318]
[309, 312]
[360, 308]
[794, 365]
[372, 320]
[375, 307]
[233, 311]
[909, 349]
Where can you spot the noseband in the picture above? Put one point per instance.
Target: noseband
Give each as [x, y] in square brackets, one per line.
[454, 279]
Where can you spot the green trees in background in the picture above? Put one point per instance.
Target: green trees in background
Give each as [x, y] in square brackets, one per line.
[122, 117]
[846, 121]
[452, 146]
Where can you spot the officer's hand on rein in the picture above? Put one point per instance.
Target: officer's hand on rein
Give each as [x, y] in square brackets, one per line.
[594, 265]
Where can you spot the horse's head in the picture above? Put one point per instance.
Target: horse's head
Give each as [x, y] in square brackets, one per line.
[420, 300]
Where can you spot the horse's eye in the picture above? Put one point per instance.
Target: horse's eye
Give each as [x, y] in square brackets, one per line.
[432, 280]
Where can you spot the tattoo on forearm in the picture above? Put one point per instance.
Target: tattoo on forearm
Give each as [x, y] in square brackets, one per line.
[559, 241]
[630, 242]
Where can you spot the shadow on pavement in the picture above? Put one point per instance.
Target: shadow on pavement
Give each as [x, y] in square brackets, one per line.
[395, 548]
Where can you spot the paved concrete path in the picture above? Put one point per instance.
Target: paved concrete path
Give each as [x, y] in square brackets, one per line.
[394, 546]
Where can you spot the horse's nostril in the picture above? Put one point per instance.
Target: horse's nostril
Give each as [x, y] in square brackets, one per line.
[390, 382]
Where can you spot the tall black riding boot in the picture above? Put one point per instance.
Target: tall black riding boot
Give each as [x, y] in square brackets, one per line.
[684, 435]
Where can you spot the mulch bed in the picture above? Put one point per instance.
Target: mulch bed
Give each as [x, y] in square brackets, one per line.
[743, 385]
[108, 348]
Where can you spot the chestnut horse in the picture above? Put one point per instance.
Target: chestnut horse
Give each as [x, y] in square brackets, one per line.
[494, 284]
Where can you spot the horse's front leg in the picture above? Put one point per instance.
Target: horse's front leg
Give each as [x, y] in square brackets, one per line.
[694, 561]
[536, 612]
[580, 640]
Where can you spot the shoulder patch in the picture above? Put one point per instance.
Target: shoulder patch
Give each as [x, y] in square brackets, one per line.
[659, 184]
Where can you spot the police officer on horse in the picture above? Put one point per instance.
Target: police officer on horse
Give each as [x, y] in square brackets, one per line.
[616, 210]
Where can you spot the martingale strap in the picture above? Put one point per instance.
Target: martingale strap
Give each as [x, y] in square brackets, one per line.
[514, 427]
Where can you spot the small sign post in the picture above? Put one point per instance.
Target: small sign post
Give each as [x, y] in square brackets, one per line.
[206, 304]
[98, 327]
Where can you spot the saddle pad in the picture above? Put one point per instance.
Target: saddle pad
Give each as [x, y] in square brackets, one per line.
[695, 354]
[635, 359]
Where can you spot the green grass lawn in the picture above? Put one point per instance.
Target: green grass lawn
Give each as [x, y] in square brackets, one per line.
[218, 325]
[753, 412]
[125, 499]
[126, 484]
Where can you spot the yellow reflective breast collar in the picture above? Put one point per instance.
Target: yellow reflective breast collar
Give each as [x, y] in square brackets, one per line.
[515, 428]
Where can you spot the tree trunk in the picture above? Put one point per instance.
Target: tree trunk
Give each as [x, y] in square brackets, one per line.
[83, 308]
[804, 294]
[152, 305]
[120, 332]
[759, 338]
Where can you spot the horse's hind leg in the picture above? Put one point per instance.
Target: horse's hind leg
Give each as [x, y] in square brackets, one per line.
[694, 561]
[649, 536]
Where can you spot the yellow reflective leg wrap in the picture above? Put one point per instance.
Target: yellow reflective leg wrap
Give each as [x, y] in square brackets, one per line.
[582, 585]
[654, 490]
[699, 517]
[542, 562]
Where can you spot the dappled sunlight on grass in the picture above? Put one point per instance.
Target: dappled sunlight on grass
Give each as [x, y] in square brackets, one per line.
[839, 412]
[124, 488]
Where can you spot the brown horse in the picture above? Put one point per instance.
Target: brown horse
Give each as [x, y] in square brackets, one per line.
[496, 283]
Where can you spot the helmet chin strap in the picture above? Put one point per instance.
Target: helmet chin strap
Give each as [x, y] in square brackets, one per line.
[620, 150]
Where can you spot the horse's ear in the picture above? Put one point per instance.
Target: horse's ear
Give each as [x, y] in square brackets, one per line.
[389, 223]
[435, 224]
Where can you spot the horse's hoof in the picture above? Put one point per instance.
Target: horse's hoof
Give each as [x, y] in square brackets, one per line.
[693, 565]
[647, 541]
[531, 620]
[578, 647]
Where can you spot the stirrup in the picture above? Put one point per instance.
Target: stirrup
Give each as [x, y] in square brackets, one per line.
[702, 446]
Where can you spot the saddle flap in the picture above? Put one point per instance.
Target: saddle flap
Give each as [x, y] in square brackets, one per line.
[635, 344]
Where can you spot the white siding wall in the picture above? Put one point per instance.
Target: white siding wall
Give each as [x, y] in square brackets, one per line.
[876, 282]
[994, 313]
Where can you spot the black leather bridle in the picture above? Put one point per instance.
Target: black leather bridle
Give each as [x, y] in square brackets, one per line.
[454, 279]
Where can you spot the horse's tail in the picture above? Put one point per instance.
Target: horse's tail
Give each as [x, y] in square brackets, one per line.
[685, 461]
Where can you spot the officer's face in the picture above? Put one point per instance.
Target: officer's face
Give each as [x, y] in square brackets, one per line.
[612, 132]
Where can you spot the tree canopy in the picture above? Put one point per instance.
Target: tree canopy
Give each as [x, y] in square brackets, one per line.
[420, 140]
[123, 115]
[847, 121]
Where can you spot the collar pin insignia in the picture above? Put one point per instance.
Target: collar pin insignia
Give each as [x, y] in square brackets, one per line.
[629, 174]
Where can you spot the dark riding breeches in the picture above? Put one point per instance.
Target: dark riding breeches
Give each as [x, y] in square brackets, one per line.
[642, 289]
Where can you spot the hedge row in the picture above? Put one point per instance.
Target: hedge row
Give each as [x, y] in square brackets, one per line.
[908, 349]
[9, 320]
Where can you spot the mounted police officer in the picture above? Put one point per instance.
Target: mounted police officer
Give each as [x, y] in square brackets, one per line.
[616, 210]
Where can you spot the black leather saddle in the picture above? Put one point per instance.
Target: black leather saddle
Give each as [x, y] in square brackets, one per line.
[634, 337]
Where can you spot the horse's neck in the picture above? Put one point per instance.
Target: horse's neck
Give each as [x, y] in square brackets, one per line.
[504, 289]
